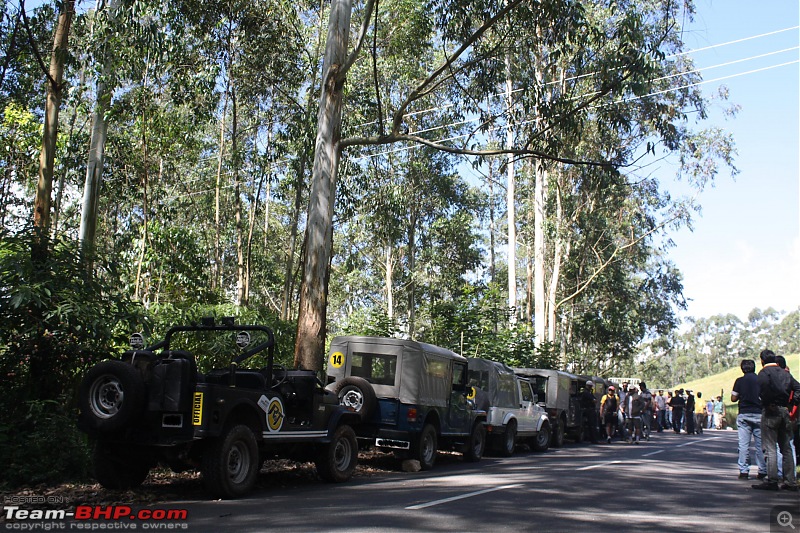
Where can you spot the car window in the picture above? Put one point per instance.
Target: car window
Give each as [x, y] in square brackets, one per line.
[506, 390]
[539, 385]
[479, 378]
[527, 393]
[380, 369]
[459, 374]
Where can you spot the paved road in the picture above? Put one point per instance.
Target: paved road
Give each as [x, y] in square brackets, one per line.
[672, 483]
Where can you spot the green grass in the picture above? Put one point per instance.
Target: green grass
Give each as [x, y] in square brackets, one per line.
[721, 385]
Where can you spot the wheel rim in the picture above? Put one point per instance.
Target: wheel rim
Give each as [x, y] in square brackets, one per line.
[342, 455]
[353, 398]
[238, 462]
[106, 396]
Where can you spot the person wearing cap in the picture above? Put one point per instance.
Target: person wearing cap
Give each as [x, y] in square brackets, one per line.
[589, 409]
[609, 405]
[647, 411]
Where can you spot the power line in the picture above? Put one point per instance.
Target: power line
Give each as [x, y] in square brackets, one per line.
[624, 100]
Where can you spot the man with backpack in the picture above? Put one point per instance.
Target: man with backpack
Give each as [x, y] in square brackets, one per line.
[609, 404]
[633, 407]
[775, 388]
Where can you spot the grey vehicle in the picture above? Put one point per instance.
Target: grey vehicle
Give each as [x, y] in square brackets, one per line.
[558, 392]
[513, 413]
[411, 396]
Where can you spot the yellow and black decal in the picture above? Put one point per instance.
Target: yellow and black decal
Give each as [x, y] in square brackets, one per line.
[336, 360]
[197, 409]
[273, 407]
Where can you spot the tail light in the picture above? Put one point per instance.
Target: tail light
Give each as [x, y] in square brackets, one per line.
[412, 415]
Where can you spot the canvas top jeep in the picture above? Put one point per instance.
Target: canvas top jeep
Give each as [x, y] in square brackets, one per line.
[513, 414]
[412, 396]
[152, 406]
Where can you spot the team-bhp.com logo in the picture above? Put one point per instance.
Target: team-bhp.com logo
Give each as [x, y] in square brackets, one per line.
[93, 517]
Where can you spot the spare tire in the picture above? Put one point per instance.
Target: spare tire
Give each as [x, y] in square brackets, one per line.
[111, 396]
[357, 394]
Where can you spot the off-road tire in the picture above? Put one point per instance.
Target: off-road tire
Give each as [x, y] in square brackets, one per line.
[111, 396]
[508, 441]
[356, 393]
[426, 447]
[541, 442]
[557, 438]
[231, 463]
[119, 467]
[337, 461]
[476, 444]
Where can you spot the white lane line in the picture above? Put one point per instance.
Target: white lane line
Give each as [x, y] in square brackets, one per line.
[696, 442]
[653, 453]
[461, 497]
[599, 465]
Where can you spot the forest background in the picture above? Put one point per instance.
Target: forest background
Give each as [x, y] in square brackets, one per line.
[161, 162]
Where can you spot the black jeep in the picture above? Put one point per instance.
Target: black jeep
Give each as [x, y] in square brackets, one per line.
[153, 406]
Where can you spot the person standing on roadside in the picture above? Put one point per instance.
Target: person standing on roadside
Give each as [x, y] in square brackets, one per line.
[746, 393]
[589, 409]
[677, 403]
[609, 405]
[775, 386]
[647, 410]
[719, 413]
[700, 414]
[710, 412]
[661, 407]
[690, 412]
[781, 362]
[669, 411]
[633, 407]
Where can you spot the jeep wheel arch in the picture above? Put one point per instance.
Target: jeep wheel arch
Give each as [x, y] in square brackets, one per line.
[541, 442]
[357, 394]
[111, 396]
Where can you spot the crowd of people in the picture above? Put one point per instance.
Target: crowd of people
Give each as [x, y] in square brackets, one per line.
[634, 411]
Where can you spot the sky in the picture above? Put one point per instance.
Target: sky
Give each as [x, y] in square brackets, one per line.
[744, 250]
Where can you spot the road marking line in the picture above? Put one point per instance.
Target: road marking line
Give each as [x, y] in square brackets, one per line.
[653, 453]
[461, 497]
[599, 465]
[696, 441]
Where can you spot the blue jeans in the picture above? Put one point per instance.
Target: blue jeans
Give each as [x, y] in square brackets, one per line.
[749, 425]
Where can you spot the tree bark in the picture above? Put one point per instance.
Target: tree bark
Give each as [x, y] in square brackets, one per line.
[44, 186]
[511, 199]
[312, 316]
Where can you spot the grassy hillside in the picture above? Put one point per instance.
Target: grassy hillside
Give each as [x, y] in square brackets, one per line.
[722, 383]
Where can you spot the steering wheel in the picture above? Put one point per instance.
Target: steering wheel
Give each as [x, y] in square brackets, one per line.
[277, 382]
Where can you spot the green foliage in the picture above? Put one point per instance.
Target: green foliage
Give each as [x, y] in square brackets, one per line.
[55, 319]
[43, 446]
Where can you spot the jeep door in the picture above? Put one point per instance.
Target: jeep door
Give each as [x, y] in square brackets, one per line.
[527, 418]
[459, 416]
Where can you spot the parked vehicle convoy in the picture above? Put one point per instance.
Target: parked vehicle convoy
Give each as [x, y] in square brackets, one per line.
[513, 414]
[152, 406]
[412, 397]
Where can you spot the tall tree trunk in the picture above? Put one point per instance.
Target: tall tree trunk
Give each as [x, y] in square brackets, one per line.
[389, 281]
[94, 164]
[539, 314]
[44, 187]
[558, 256]
[237, 201]
[511, 198]
[216, 281]
[137, 293]
[312, 316]
[412, 265]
